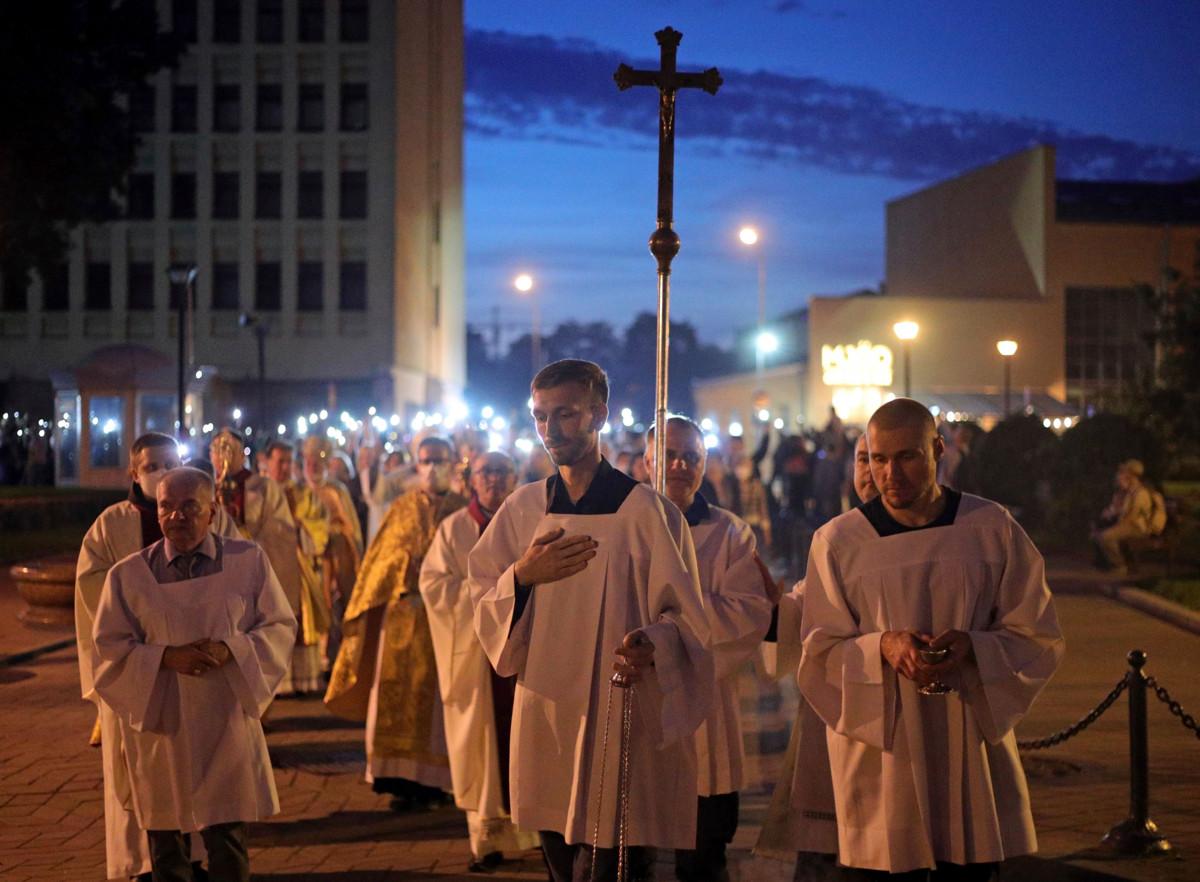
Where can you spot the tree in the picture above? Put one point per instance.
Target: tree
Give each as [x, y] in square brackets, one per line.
[66, 141]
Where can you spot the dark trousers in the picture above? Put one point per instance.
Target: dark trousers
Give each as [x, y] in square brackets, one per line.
[716, 822]
[943, 873]
[573, 863]
[228, 859]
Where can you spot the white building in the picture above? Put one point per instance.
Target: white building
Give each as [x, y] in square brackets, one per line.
[306, 156]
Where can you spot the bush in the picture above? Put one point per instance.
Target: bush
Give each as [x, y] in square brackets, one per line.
[1012, 466]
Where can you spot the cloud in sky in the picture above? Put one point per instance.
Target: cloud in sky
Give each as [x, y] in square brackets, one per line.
[561, 90]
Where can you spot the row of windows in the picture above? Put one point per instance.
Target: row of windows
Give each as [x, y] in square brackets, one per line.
[226, 287]
[227, 108]
[268, 195]
[270, 21]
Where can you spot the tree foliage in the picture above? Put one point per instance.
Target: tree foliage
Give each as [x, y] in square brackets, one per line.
[66, 145]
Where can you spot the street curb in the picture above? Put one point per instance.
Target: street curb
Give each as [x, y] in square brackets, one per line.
[20, 658]
[1159, 607]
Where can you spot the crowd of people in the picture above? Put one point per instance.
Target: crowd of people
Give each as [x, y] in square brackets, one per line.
[469, 606]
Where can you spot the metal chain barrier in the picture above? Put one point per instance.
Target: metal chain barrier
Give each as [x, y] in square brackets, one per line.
[1187, 720]
[1075, 728]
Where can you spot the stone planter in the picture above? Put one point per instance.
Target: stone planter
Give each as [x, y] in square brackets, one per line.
[47, 586]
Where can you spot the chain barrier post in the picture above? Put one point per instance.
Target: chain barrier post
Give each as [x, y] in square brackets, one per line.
[1137, 834]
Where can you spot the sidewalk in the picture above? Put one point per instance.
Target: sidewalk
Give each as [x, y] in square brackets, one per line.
[333, 828]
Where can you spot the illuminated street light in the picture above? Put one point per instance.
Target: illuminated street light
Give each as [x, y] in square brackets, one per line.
[906, 332]
[750, 238]
[524, 284]
[766, 342]
[1007, 349]
[748, 235]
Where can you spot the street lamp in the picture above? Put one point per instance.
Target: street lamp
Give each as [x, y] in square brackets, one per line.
[906, 332]
[524, 284]
[749, 237]
[259, 326]
[1007, 349]
[182, 275]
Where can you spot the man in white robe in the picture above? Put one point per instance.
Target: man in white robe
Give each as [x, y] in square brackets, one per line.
[739, 612]
[193, 635]
[925, 782]
[571, 570]
[477, 703]
[801, 822]
[121, 530]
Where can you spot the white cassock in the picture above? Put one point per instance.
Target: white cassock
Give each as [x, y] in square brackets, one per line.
[465, 682]
[115, 534]
[920, 779]
[801, 816]
[194, 749]
[561, 649]
[739, 613]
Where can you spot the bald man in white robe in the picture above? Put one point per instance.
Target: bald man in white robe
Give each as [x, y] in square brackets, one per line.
[927, 783]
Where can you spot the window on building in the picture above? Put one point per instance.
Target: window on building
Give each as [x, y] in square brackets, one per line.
[311, 23]
[97, 286]
[227, 21]
[139, 203]
[183, 195]
[310, 285]
[141, 285]
[355, 21]
[268, 193]
[225, 203]
[352, 285]
[269, 112]
[352, 196]
[227, 108]
[354, 107]
[14, 291]
[225, 286]
[183, 19]
[270, 21]
[141, 108]
[268, 287]
[1106, 347]
[310, 198]
[56, 288]
[183, 108]
[311, 114]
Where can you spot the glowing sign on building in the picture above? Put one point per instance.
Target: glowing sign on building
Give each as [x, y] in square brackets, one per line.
[856, 364]
[859, 372]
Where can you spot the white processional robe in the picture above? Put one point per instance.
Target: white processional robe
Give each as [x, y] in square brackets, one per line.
[739, 613]
[194, 749]
[801, 816]
[561, 650]
[920, 779]
[115, 534]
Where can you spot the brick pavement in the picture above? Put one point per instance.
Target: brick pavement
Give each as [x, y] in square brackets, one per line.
[333, 827]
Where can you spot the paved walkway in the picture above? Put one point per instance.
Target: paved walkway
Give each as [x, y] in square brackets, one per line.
[333, 828]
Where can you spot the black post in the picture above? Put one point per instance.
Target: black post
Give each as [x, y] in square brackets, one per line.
[908, 369]
[260, 331]
[1137, 834]
[1007, 385]
[181, 383]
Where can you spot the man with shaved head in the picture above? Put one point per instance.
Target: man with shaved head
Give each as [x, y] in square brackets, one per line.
[193, 635]
[927, 780]
[477, 703]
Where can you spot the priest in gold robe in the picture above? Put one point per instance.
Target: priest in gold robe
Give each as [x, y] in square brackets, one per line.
[385, 672]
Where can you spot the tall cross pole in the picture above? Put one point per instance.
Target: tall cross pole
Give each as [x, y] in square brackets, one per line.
[664, 241]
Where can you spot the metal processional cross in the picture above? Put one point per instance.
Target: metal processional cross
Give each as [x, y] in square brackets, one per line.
[664, 241]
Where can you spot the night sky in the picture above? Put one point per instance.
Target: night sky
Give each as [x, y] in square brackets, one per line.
[828, 110]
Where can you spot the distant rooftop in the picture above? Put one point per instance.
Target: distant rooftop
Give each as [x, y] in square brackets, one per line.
[1128, 202]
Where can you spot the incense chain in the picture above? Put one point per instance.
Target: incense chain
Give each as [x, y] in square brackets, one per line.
[622, 780]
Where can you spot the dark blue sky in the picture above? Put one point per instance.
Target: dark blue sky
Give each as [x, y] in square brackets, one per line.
[828, 110]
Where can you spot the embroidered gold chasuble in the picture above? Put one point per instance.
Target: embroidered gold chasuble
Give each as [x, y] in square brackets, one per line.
[386, 604]
[312, 519]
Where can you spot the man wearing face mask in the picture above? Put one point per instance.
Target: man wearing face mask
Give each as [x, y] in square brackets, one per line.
[478, 702]
[385, 673]
[119, 531]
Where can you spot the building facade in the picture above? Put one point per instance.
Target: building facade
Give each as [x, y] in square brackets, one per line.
[306, 157]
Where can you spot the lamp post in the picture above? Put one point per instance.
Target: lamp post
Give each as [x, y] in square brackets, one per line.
[524, 284]
[749, 237]
[906, 332]
[182, 275]
[1007, 349]
[258, 325]
[765, 342]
